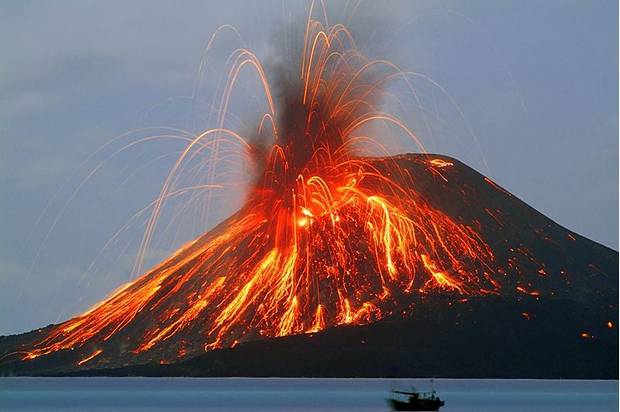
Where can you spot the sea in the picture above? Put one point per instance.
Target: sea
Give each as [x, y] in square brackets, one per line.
[279, 394]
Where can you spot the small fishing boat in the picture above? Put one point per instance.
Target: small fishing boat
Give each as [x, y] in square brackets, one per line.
[415, 401]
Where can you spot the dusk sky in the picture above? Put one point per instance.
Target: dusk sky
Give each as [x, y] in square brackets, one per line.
[536, 86]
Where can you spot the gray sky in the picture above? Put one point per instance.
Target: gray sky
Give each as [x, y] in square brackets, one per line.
[537, 83]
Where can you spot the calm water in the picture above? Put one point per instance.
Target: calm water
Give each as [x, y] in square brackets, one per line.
[239, 394]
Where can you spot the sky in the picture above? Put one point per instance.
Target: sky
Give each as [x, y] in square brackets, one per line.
[528, 95]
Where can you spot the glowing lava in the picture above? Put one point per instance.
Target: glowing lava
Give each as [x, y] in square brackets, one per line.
[326, 238]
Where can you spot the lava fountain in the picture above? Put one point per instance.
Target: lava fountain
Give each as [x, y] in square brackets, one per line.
[325, 238]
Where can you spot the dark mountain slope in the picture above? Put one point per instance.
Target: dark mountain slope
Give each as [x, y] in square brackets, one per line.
[553, 286]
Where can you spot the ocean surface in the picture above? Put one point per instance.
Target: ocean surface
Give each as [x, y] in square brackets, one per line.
[241, 394]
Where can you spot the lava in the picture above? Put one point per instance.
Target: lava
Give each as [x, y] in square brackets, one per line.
[326, 237]
[90, 357]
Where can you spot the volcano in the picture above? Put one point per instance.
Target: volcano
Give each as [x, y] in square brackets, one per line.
[335, 234]
[539, 278]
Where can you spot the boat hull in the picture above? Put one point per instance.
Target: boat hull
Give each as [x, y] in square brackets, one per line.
[417, 406]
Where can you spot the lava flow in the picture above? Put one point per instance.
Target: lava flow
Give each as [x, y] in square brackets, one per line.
[327, 237]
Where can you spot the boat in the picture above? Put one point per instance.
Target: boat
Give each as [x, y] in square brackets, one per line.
[415, 401]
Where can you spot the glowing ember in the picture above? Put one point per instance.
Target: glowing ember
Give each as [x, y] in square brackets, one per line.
[527, 292]
[90, 357]
[441, 163]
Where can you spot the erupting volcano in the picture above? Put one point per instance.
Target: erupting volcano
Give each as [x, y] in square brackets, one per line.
[334, 232]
